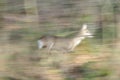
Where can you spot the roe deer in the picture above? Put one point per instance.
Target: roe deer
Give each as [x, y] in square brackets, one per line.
[62, 43]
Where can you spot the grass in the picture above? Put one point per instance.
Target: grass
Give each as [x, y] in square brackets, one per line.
[23, 60]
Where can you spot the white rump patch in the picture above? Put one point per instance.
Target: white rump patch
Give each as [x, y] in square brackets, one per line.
[40, 44]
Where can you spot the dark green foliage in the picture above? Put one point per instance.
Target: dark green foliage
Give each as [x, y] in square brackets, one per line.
[87, 72]
[91, 73]
[98, 34]
[109, 33]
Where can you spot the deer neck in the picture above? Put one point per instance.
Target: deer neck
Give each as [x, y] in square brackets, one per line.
[77, 40]
[79, 36]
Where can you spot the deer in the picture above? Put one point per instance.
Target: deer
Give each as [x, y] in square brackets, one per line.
[63, 43]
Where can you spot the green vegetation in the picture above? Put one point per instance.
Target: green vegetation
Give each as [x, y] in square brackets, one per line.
[22, 60]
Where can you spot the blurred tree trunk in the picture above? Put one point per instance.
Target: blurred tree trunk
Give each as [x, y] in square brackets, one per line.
[100, 23]
[116, 55]
[99, 13]
[31, 9]
[2, 9]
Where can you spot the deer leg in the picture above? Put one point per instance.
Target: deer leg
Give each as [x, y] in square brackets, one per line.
[50, 47]
[71, 48]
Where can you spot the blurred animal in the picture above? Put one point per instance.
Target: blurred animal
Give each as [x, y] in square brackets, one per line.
[62, 43]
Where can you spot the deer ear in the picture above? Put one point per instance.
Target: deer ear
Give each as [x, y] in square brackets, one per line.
[84, 26]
